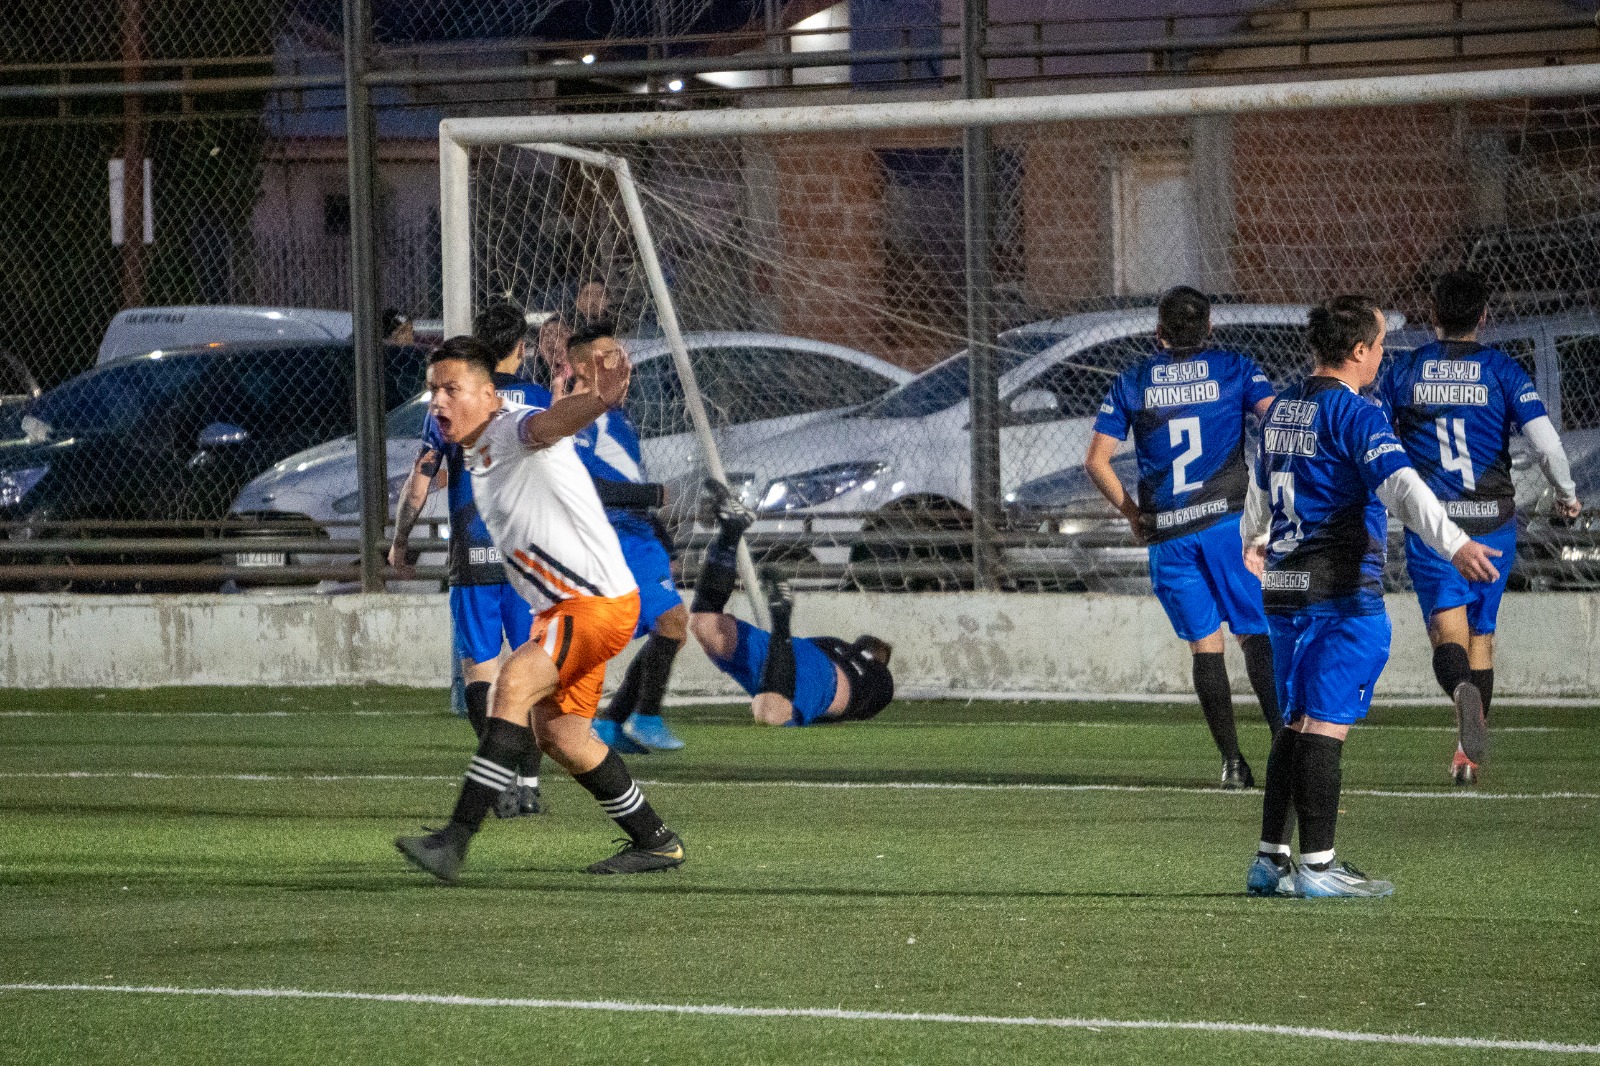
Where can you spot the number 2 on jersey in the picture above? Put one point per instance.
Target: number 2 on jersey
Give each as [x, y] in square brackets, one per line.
[1180, 430]
[1283, 496]
[1457, 458]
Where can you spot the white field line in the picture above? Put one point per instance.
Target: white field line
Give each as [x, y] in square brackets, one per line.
[837, 1014]
[884, 786]
[1366, 727]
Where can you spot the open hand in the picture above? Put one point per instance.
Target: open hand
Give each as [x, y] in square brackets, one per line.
[613, 372]
[403, 561]
[1474, 562]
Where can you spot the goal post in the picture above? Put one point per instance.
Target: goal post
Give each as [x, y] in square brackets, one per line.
[834, 225]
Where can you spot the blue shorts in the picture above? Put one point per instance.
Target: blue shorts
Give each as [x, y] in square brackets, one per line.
[482, 614]
[1327, 665]
[1201, 581]
[647, 558]
[814, 679]
[1441, 587]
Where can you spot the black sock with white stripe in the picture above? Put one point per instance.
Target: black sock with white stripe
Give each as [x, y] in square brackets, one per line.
[491, 771]
[620, 798]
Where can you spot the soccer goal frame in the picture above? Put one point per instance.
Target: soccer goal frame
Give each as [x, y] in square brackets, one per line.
[582, 138]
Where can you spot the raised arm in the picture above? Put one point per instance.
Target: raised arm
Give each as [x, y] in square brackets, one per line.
[571, 413]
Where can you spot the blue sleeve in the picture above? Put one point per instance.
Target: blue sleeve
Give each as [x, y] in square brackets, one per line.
[1522, 395]
[1257, 386]
[1114, 412]
[431, 438]
[1370, 441]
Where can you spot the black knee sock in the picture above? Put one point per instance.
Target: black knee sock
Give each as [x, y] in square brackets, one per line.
[718, 574]
[490, 771]
[1484, 679]
[528, 767]
[626, 696]
[1258, 664]
[478, 706]
[654, 667]
[777, 676]
[1317, 780]
[1450, 667]
[613, 786]
[1277, 799]
[1216, 701]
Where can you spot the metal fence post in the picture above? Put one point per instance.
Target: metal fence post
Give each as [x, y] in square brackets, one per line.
[372, 467]
[977, 171]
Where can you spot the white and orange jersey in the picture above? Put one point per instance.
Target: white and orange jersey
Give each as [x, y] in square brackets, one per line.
[542, 512]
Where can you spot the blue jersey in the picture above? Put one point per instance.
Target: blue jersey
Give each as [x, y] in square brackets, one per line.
[1454, 405]
[609, 449]
[1324, 452]
[1187, 416]
[474, 560]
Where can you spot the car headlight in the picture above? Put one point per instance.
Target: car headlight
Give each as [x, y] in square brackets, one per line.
[15, 484]
[350, 502]
[814, 487]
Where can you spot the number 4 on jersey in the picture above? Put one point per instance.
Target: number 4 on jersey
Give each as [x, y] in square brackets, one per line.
[1457, 458]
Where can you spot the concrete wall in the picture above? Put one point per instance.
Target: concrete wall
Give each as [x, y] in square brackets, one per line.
[946, 644]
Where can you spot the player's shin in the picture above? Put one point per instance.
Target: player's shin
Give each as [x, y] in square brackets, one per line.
[1317, 780]
[653, 665]
[1257, 649]
[492, 770]
[1216, 701]
[1450, 667]
[718, 575]
[477, 695]
[613, 787]
[1484, 681]
[1277, 806]
[777, 674]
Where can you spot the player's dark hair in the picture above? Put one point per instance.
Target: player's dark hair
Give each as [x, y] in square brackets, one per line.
[1459, 299]
[468, 350]
[1338, 325]
[1184, 317]
[878, 649]
[589, 332]
[500, 326]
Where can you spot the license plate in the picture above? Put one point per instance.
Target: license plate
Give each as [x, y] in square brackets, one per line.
[260, 559]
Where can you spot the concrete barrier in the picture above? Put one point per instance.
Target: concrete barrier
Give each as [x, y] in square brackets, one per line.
[946, 644]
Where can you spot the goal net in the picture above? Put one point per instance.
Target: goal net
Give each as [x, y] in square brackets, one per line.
[815, 265]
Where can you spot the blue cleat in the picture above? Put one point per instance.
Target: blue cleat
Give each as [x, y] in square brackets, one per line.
[1270, 877]
[1339, 881]
[651, 731]
[611, 735]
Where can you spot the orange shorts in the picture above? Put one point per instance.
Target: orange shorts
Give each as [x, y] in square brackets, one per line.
[581, 635]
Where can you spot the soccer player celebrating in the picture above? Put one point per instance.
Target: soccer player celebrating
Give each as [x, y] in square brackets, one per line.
[792, 680]
[609, 449]
[1186, 405]
[1315, 528]
[484, 609]
[1455, 404]
[560, 553]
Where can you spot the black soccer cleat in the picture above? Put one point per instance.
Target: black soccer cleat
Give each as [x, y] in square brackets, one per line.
[518, 801]
[634, 858]
[441, 852]
[720, 507]
[1236, 774]
[1471, 728]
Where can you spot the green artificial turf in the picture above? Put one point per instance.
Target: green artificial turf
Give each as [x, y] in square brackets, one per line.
[1123, 904]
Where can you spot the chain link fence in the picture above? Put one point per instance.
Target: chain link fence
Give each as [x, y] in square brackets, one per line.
[174, 155]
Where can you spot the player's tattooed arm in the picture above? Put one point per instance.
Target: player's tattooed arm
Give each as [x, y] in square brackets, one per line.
[413, 496]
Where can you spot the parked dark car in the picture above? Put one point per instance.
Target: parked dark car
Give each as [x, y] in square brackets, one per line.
[171, 437]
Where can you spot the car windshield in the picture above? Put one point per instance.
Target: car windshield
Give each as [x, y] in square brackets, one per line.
[115, 398]
[405, 421]
[947, 384]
